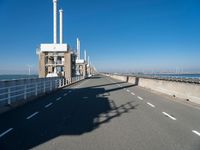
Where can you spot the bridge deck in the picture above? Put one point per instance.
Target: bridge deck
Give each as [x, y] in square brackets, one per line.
[102, 113]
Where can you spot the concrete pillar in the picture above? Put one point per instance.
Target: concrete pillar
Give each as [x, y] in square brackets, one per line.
[42, 70]
[68, 66]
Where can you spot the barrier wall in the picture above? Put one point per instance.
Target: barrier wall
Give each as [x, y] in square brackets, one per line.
[184, 90]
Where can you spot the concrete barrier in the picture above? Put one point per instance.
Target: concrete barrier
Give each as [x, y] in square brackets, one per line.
[119, 77]
[185, 90]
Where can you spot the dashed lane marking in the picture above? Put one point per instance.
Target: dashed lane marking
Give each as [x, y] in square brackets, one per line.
[128, 90]
[168, 115]
[59, 98]
[151, 105]
[196, 132]
[140, 98]
[5, 132]
[32, 115]
[132, 93]
[65, 94]
[48, 105]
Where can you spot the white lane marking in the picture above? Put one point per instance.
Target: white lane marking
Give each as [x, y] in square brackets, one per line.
[59, 98]
[65, 94]
[151, 104]
[132, 93]
[196, 132]
[139, 97]
[128, 90]
[168, 115]
[5, 132]
[69, 91]
[29, 117]
[46, 106]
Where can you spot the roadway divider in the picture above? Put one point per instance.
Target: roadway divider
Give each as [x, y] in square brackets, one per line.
[184, 89]
[17, 92]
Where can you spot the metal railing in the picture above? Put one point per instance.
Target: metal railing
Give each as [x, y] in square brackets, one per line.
[12, 91]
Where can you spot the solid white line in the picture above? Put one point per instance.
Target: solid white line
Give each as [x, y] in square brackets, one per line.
[151, 104]
[166, 114]
[29, 117]
[140, 98]
[133, 93]
[59, 98]
[46, 106]
[4, 133]
[196, 132]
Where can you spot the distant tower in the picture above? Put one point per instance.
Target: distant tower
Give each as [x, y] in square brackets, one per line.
[85, 55]
[78, 49]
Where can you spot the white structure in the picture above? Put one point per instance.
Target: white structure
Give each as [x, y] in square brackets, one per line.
[61, 26]
[56, 59]
[88, 61]
[85, 55]
[55, 28]
[78, 49]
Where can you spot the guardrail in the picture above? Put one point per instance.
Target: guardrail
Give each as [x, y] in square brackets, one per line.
[12, 91]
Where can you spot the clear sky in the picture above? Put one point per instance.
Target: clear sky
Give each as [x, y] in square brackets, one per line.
[119, 35]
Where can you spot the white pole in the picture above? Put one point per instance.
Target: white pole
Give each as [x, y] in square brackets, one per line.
[78, 48]
[61, 26]
[88, 60]
[85, 55]
[55, 28]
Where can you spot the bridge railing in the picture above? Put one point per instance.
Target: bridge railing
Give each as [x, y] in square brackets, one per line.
[13, 91]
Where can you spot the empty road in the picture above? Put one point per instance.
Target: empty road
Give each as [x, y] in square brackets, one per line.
[101, 113]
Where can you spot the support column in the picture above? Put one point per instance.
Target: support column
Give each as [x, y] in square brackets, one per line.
[42, 70]
[84, 70]
[68, 66]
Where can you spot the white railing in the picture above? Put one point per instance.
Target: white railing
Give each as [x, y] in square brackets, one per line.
[16, 90]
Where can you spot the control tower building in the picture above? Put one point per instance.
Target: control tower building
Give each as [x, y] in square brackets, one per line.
[56, 59]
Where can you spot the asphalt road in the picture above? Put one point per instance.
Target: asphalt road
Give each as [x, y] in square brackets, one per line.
[101, 113]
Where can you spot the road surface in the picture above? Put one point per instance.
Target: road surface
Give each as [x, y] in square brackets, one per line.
[101, 113]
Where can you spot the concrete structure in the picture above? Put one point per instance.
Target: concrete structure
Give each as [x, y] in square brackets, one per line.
[56, 60]
[184, 90]
[81, 64]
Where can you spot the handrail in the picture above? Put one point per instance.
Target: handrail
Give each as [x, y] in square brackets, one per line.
[25, 90]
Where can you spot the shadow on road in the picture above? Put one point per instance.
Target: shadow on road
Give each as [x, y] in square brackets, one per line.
[76, 114]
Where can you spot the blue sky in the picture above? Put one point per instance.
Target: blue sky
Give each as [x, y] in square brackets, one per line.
[119, 35]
